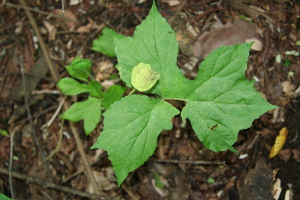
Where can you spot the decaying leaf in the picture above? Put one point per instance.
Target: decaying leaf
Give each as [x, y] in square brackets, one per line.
[279, 142]
[239, 31]
[51, 30]
[70, 19]
[276, 191]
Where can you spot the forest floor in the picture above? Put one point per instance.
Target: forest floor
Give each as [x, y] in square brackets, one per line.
[181, 167]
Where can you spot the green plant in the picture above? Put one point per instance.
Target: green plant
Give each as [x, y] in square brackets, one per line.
[219, 102]
[89, 110]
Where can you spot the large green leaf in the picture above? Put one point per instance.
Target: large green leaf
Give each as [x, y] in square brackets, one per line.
[154, 43]
[89, 111]
[131, 128]
[223, 101]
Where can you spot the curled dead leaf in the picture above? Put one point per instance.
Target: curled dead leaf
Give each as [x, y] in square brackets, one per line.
[279, 142]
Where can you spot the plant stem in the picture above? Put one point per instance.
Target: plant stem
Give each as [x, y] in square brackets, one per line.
[132, 91]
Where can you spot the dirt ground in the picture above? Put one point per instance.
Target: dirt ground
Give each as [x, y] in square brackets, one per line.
[181, 168]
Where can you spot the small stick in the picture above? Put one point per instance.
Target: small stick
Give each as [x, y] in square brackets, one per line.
[37, 11]
[178, 10]
[10, 164]
[63, 7]
[33, 132]
[56, 77]
[57, 148]
[83, 155]
[48, 184]
[41, 41]
[46, 91]
[48, 124]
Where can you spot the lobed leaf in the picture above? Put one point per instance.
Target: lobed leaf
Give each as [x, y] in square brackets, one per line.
[223, 101]
[131, 128]
[89, 111]
[154, 43]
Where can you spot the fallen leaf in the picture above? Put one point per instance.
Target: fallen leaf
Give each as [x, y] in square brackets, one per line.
[285, 154]
[229, 34]
[75, 2]
[257, 45]
[288, 88]
[69, 18]
[279, 142]
[296, 154]
[172, 2]
[87, 28]
[51, 30]
[277, 189]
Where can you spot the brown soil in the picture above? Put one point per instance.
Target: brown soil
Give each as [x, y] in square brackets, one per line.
[249, 175]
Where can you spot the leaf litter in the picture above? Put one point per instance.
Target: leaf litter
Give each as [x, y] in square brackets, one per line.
[270, 75]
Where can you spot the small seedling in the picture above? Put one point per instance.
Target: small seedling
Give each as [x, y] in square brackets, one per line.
[219, 102]
[89, 110]
[210, 180]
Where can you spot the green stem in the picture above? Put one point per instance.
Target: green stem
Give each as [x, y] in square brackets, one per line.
[132, 91]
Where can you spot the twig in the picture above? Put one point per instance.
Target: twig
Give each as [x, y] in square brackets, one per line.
[191, 162]
[48, 184]
[10, 163]
[46, 91]
[37, 115]
[41, 41]
[177, 11]
[66, 105]
[82, 154]
[33, 132]
[37, 11]
[63, 7]
[57, 148]
[48, 124]
[130, 194]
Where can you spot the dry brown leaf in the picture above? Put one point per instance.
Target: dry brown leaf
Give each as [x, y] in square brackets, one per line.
[277, 189]
[288, 88]
[228, 34]
[257, 45]
[69, 18]
[87, 28]
[51, 30]
[285, 154]
[172, 2]
[296, 154]
[279, 142]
